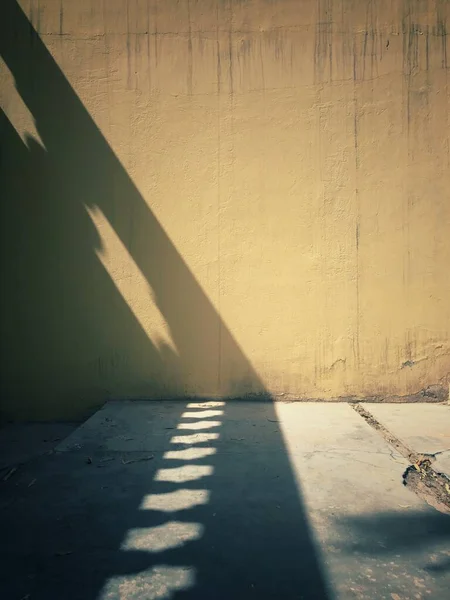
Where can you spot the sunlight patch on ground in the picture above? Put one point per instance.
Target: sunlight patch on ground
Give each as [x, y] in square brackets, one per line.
[185, 473]
[173, 534]
[204, 414]
[159, 583]
[175, 501]
[189, 453]
[195, 438]
[199, 425]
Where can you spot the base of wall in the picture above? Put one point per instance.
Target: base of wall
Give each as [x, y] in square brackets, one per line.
[433, 393]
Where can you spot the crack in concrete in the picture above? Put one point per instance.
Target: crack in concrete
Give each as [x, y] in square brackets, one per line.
[419, 476]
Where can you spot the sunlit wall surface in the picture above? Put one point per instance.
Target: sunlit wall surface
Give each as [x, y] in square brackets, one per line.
[220, 198]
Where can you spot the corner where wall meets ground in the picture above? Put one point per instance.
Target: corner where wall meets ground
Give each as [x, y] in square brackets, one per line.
[223, 199]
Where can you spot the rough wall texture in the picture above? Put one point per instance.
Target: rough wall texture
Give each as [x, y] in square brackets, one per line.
[222, 198]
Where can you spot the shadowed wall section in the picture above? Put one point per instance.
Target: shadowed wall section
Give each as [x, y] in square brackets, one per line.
[295, 154]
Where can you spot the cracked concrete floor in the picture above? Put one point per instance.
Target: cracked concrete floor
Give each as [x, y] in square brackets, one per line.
[424, 428]
[219, 501]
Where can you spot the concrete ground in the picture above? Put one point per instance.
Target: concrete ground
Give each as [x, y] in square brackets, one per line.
[225, 501]
[424, 428]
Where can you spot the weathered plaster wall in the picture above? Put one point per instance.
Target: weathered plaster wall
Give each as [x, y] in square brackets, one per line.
[223, 197]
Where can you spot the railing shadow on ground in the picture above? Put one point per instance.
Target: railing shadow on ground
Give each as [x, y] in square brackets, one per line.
[208, 508]
[69, 536]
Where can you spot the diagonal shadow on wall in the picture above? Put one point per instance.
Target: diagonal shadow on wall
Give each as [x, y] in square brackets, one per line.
[60, 305]
[63, 319]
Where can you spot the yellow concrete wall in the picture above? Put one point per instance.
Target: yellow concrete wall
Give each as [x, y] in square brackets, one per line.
[223, 198]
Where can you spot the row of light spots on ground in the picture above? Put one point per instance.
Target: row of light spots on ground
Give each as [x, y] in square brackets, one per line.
[195, 434]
